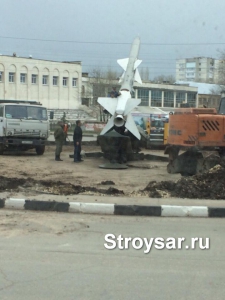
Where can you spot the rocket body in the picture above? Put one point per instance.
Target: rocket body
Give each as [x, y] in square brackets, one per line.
[133, 63]
[121, 106]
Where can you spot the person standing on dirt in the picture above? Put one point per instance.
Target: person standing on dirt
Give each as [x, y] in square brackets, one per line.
[77, 138]
[65, 129]
[59, 135]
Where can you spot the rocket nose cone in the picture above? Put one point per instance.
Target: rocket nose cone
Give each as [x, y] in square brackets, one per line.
[137, 41]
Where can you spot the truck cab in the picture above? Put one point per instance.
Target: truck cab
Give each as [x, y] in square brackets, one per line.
[24, 125]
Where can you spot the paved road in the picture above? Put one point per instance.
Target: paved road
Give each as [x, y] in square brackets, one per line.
[62, 256]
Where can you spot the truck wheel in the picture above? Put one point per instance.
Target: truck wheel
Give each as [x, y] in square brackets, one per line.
[1, 149]
[40, 150]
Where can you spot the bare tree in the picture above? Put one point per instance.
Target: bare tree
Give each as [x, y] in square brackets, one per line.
[216, 90]
[102, 82]
[164, 78]
[144, 73]
[221, 68]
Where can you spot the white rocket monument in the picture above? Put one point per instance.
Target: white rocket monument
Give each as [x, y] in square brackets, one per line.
[121, 106]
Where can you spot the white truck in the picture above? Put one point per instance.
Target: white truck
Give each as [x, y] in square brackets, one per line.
[24, 125]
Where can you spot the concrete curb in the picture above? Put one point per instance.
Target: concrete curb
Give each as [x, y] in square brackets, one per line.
[114, 209]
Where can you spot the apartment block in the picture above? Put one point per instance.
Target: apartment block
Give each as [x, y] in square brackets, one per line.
[198, 69]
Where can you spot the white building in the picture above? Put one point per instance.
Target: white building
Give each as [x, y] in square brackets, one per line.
[57, 85]
[165, 96]
[199, 69]
[209, 95]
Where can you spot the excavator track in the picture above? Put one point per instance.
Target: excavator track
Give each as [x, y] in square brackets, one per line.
[192, 161]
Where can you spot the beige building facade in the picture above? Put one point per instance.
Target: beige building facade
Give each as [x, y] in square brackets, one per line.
[57, 85]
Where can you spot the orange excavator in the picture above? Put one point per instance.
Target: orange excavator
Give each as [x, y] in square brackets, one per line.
[196, 139]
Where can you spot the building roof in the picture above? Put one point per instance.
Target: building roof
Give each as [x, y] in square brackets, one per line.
[31, 58]
[203, 88]
[148, 110]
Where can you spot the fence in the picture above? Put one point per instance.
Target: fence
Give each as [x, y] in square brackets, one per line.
[92, 127]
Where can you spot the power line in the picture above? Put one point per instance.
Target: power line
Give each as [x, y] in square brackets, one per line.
[110, 43]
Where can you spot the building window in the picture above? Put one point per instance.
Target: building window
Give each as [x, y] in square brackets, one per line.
[55, 80]
[74, 82]
[1, 76]
[34, 79]
[45, 79]
[65, 79]
[143, 94]
[11, 77]
[22, 78]
[180, 98]
[83, 90]
[191, 99]
[190, 74]
[168, 99]
[156, 98]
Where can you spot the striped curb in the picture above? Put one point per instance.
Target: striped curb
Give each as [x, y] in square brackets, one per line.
[114, 209]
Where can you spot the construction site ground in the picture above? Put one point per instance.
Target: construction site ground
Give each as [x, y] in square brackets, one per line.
[25, 174]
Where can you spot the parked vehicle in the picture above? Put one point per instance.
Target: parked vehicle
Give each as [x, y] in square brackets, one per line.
[196, 139]
[156, 137]
[24, 125]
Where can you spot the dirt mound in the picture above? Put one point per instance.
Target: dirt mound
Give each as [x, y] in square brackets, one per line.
[10, 183]
[51, 187]
[210, 185]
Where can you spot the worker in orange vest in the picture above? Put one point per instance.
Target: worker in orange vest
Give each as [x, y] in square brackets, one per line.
[65, 129]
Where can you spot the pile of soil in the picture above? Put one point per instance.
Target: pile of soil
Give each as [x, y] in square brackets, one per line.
[209, 185]
[51, 187]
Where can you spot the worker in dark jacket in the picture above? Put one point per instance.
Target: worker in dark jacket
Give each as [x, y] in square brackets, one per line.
[77, 138]
[59, 140]
[113, 93]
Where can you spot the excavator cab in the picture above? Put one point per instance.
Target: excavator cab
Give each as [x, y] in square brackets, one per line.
[199, 134]
[221, 110]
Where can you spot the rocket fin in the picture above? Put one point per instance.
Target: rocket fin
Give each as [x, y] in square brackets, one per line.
[121, 78]
[131, 104]
[132, 127]
[123, 63]
[108, 126]
[137, 76]
[108, 103]
[137, 63]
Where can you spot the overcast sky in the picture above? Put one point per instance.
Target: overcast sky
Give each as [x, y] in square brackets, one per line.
[98, 32]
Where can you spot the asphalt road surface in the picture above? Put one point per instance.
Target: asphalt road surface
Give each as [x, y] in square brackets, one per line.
[62, 256]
